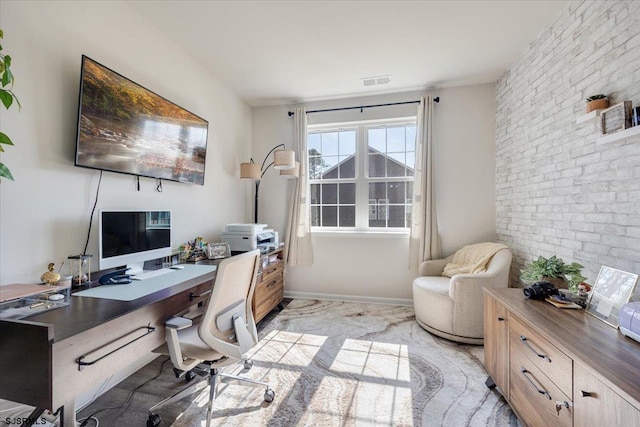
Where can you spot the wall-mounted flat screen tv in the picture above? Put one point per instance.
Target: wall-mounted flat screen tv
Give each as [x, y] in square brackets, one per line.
[123, 127]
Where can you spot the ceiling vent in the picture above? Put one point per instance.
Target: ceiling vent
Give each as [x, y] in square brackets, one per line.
[376, 81]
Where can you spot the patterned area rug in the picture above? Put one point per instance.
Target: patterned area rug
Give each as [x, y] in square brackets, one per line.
[353, 364]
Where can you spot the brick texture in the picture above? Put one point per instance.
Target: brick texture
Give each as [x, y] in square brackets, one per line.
[559, 191]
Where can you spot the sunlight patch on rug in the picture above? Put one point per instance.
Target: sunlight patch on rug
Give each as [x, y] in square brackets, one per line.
[355, 364]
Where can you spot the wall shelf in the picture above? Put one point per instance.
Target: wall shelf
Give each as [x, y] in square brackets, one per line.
[589, 117]
[623, 135]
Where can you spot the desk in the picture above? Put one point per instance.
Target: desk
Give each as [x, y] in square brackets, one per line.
[39, 355]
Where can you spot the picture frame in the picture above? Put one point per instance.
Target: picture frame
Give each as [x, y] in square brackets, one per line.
[218, 250]
[612, 289]
[616, 118]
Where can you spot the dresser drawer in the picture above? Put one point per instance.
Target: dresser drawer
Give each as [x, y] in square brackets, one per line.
[269, 286]
[266, 303]
[545, 356]
[534, 395]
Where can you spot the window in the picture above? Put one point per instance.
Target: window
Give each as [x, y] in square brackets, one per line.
[361, 175]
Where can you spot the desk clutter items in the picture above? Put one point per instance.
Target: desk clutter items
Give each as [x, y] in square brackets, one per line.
[80, 266]
[192, 251]
[18, 301]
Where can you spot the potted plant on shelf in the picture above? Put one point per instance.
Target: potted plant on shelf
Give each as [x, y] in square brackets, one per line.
[555, 271]
[597, 102]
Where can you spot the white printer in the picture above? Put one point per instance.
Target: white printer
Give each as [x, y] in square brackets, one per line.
[247, 237]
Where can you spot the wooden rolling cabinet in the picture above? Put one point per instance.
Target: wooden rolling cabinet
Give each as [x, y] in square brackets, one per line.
[269, 291]
[564, 367]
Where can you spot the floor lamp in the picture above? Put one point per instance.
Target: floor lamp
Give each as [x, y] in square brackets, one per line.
[283, 159]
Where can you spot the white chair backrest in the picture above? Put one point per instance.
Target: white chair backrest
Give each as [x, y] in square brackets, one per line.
[230, 305]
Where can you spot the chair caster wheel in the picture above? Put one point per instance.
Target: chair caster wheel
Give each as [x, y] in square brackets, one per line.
[189, 375]
[248, 363]
[177, 372]
[154, 420]
[269, 395]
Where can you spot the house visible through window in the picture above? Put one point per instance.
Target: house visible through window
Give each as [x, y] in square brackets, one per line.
[361, 174]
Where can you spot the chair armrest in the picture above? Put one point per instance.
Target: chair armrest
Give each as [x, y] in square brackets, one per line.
[178, 323]
[434, 267]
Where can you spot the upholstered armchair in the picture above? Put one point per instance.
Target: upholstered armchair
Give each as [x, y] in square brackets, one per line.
[452, 308]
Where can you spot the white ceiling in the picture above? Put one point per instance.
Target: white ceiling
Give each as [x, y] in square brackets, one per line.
[281, 52]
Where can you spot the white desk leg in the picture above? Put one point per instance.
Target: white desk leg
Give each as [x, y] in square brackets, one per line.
[69, 414]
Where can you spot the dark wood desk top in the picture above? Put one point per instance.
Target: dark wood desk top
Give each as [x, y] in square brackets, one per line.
[604, 349]
[84, 313]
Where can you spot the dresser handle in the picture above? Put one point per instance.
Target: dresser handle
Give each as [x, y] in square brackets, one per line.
[501, 319]
[539, 390]
[526, 343]
[585, 393]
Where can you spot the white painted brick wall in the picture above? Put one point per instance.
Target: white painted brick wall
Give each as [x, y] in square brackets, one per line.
[557, 190]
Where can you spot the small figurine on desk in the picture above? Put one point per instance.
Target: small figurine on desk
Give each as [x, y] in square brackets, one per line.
[50, 277]
[583, 294]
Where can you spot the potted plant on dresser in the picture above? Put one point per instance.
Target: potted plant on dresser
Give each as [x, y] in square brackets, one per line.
[555, 271]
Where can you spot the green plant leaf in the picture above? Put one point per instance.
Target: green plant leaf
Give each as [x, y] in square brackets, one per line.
[7, 61]
[5, 172]
[7, 77]
[6, 98]
[1, 34]
[4, 139]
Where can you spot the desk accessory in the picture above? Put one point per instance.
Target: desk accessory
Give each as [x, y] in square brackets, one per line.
[80, 269]
[50, 277]
[283, 159]
[116, 278]
[611, 290]
[218, 250]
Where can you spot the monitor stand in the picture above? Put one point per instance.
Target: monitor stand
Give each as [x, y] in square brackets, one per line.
[135, 268]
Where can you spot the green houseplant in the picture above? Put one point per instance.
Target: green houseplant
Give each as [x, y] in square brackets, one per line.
[7, 97]
[554, 270]
[597, 102]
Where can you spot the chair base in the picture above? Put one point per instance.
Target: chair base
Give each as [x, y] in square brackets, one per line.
[450, 337]
[214, 378]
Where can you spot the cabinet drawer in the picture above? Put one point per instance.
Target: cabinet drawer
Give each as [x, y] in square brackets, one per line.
[544, 355]
[534, 395]
[267, 304]
[267, 287]
[117, 344]
[274, 267]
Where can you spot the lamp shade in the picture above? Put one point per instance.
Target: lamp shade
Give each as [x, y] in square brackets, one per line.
[292, 173]
[284, 159]
[249, 171]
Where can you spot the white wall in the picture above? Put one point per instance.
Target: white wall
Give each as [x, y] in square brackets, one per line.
[44, 214]
[376, 267]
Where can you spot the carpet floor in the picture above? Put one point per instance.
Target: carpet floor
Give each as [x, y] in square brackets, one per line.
[355, 364]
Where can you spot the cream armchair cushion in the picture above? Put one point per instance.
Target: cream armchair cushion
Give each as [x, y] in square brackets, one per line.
[453, 307]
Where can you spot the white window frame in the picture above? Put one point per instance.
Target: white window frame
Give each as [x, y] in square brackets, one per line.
[362, 179]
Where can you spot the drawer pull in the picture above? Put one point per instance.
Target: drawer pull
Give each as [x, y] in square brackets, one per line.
[560, 404]
[80, 360]
[539, 390]
[585, 393]
[501, 319]
[273, 282]
[526, 343]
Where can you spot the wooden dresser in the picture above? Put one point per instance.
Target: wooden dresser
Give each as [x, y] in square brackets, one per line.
[269, 291]
[559, 367]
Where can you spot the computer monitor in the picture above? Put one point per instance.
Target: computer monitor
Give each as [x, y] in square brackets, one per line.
[132, 237]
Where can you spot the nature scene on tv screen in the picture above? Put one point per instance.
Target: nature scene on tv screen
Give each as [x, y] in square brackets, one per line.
[127, 128]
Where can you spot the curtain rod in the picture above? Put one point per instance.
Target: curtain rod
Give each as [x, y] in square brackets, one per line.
[362, 107]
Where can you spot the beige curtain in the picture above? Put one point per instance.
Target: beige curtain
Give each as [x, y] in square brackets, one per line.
[424, 239]
[298, 249]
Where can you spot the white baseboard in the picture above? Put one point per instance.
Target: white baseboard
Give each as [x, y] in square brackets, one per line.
[348, 298]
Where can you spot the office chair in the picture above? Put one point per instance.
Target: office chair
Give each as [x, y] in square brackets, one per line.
[219, 336]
